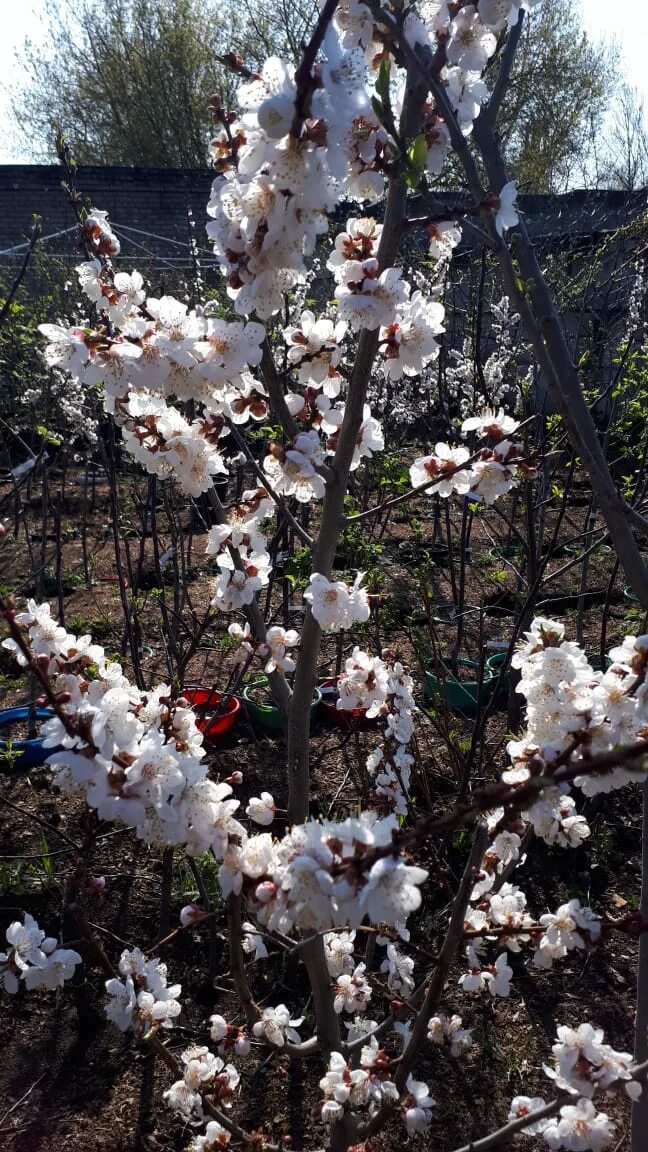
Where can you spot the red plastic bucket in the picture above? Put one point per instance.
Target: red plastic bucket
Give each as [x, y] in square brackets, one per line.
[204, 702]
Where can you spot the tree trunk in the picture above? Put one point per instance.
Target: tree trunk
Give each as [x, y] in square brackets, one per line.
[640, 1106]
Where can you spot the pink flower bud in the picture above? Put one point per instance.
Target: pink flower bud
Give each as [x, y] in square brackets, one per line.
[266, 892]
[96, 885]
[191, 914]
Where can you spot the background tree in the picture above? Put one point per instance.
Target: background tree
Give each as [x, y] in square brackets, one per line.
[276, 27]
[561, 88]
[624, 163]
[128, 82]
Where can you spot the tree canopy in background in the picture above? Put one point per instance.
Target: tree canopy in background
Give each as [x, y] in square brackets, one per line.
[561, 87]
[130, 82]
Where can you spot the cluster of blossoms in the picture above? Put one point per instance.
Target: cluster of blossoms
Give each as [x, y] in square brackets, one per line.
[369, 1086]
[34, 958]
[497, 378]
[135, 756]
[352, 989]
[384, 690]
[499, 915]
[574, 712]
[448, 1031]
[321, 876]
[409, 344]
[577, 1128]
[334, 604]
[241, 555]
[141, 998]
[204, 1075]
[315, 352]
[298, 468]
[583, 1064]
[274, 190]
[468, 38]
[138, 758]
[364, 684]
[498, 910]
[487, 474]
[369, 298]
[145, 353]
[282, 170]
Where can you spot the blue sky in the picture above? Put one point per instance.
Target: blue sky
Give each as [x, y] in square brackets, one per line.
[20, 19]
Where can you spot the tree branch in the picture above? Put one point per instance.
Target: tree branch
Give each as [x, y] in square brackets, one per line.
[507, 60]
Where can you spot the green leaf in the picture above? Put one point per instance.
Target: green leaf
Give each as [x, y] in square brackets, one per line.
[417, 159]
[378, 108]
[382, 82]
[417, 152]
[48, 436]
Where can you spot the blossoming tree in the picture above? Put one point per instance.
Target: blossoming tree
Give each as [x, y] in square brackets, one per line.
[382, 96]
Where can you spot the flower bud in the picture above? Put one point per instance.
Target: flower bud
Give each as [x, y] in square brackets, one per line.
[96, 885]
[191, 914]
[217, 1028]
[266, 892]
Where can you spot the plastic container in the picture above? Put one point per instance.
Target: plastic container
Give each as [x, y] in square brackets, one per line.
[561, 551]
[507, 605]
[499, 684]
[354, 718]
[32, 752]
[205, 701]
[449, 613]
[268, 716]
[462, 695]
[442, 556]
